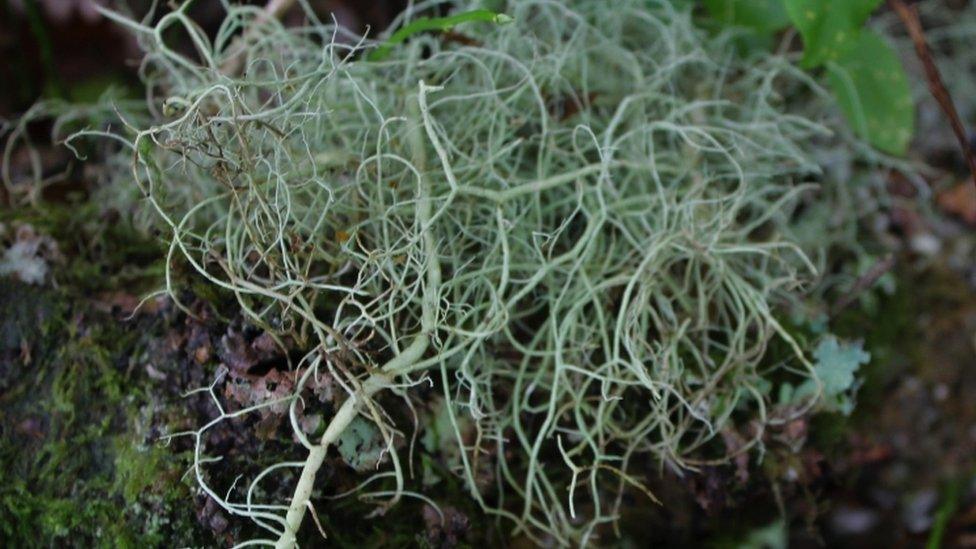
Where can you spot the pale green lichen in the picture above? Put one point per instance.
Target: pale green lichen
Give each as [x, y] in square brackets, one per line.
[581, 224]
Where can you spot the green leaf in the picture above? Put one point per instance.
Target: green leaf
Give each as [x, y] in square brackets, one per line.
[828, 27]
[837, 362]
[763, 16]
[873, 92]
[436, 24]
[773, 536]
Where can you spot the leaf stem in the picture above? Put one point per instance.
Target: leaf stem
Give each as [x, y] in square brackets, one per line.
[909, 17]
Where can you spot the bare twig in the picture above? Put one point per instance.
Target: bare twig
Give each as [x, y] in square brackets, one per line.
[866, 281]
[909, 17]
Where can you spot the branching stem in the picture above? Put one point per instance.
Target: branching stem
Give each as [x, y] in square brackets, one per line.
[392, 369]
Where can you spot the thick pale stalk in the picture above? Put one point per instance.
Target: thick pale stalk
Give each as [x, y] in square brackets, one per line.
[397, 365]
[303, 491]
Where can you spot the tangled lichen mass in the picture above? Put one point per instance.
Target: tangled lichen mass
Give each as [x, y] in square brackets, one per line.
[575, 223]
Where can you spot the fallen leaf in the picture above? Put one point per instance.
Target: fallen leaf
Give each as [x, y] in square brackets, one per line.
[960, 201]
[734, 443]
[125, 304]
[236, 353]
[202, 354]
[446, 528]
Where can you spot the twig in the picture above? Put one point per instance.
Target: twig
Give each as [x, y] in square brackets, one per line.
[866, 281]
[909, 17]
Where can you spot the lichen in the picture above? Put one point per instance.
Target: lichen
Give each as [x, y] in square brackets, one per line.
[582, 229]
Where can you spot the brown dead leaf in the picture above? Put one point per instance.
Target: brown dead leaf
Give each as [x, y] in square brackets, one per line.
[212, 516]
[960, 201]
[813, 465]
[796, 430]
[202, 354]
[175, 340]
[32, 427]
[25, 352]
[126, 304]
[907, 220]
[241, 355]
[198, 342]
[710, 488]
[734, 443]
[446, 528]
[236, 353]
[264, 343]
[966, 540]
[899, 185]
[252, 390]
[870, 453]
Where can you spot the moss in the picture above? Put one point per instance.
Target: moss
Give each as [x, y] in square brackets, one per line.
[136, 468]
[104, 250]
[74, 468]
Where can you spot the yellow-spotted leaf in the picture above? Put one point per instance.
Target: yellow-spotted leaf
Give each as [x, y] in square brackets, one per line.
[828, 27]
[872, 90]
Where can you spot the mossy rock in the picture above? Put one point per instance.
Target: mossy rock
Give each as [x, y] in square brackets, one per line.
[74, 468]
